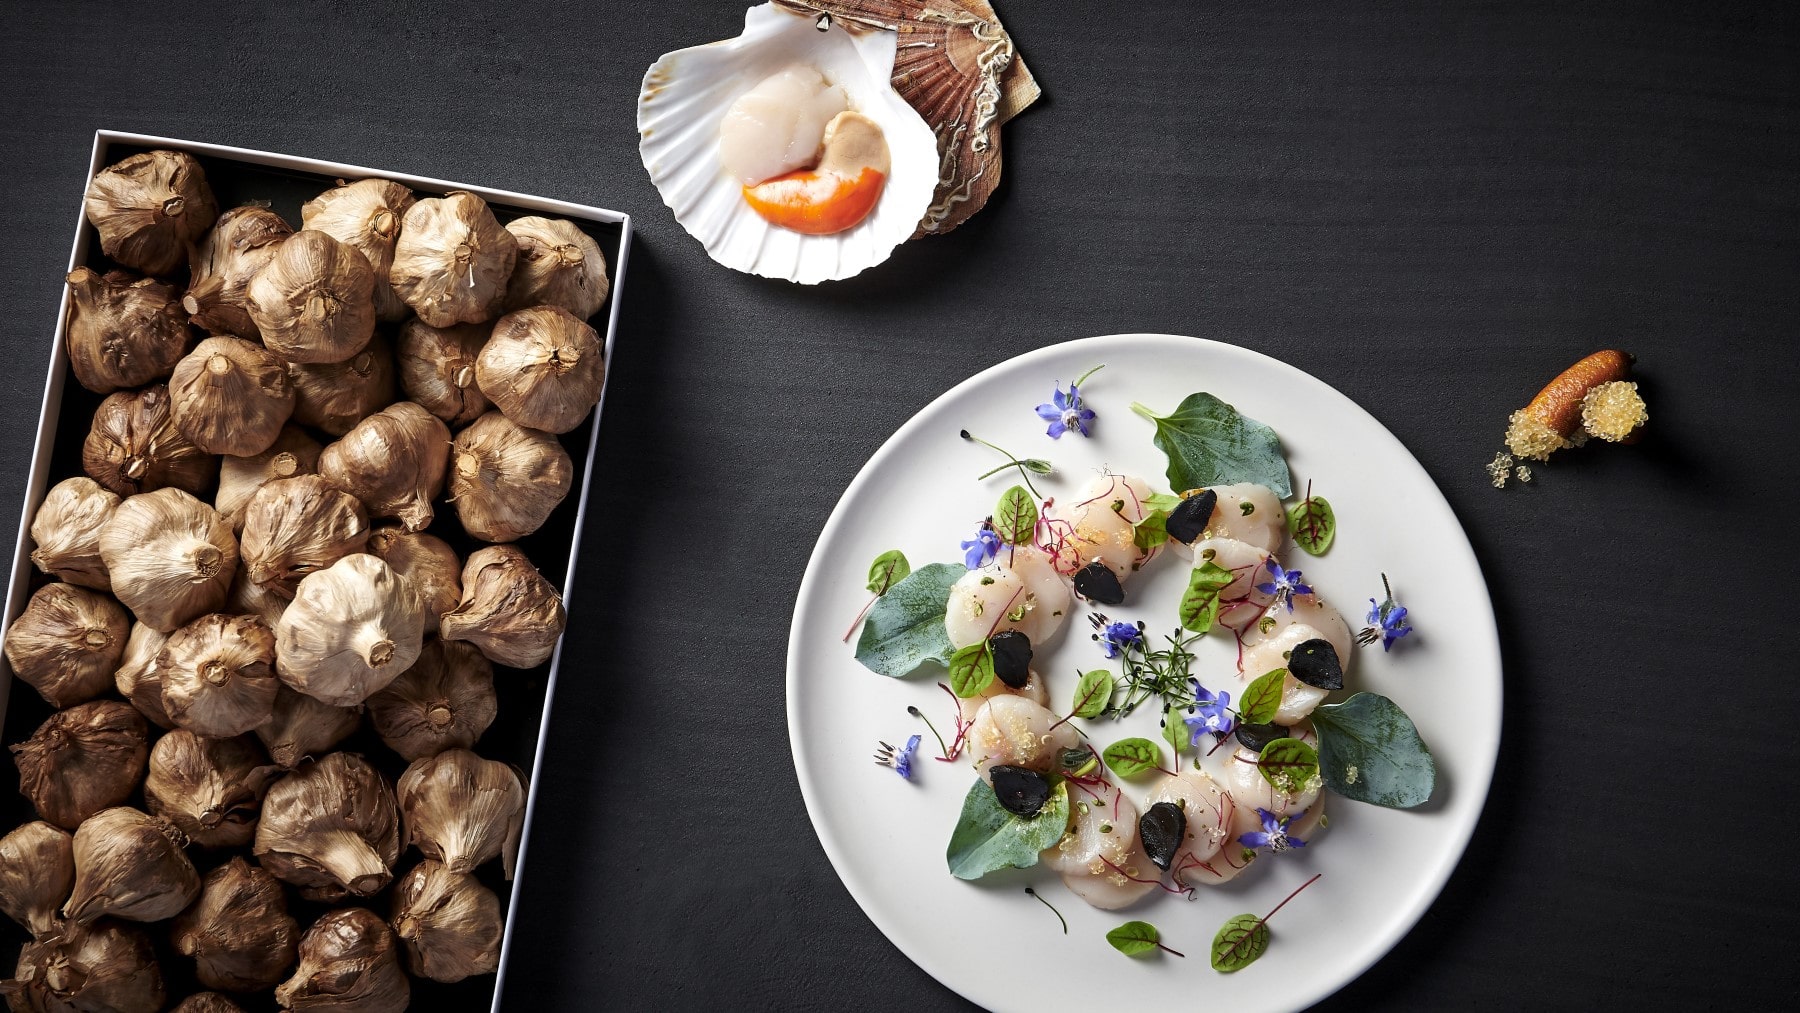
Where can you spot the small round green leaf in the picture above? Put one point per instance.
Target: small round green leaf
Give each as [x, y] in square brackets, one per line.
[1133, 756]
[1092, 694]
[1288, 764]
[972, 670]
[1312, 524]
[1134, 939]
[1263, 698]
[1016, 517]
[1200, 602]
[1241, 940]
[889, 569]
[1174, 731]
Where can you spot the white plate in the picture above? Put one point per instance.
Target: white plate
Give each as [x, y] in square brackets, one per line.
[989, 941]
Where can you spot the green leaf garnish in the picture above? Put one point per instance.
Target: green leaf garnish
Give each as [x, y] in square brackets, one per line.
[1092, 693]
[1134, 939]
[972, 670]
[1312, 523]
[1015, 519]
[1153, 528]
[1288, 764]
[905, 629]
[987, 837]
[1131, 757]
[1200, 602]
[1174, 731]
[1241, 940]
[889, 568]
[1208, 443]
[1263, 698]
[1370, 751]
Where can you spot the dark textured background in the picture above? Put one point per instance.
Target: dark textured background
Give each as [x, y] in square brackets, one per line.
[1431, 206]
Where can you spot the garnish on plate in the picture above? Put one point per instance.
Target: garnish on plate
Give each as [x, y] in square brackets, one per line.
[1387, 620]
[1283, 584]
[898, 758]
[988, 837]
[1027, 466]
[1370, 751]
[905, 628]
[1209, 443]
[1312, 524]
[1244, 938]
[1137, 938]
[1067, 412]
[1134, 756]
[1059, 915]
[888, 569]
[981, 550]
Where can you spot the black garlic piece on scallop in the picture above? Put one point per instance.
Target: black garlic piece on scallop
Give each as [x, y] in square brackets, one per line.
[1012, 657]
[1315, 662]
[1255, 737]
[1188, 520]
[1096, 582]
[1161, 829]
[1020, 790]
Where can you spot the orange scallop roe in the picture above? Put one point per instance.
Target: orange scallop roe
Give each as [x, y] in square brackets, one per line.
[817, 202]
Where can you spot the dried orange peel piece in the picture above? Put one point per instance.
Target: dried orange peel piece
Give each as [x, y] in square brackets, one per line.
[836, 194]
[1590, 397]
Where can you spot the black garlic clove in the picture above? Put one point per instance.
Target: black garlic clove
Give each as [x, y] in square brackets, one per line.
[1097, 582]
[1255, 737]
[1161, 829]
[1188, 520]
[1020, 790]
[1315, 662]
[1012, 657]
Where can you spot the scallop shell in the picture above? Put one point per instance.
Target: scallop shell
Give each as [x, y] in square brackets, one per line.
[686, 95]
[956, 65]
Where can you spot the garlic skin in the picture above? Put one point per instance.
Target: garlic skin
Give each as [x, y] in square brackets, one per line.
[123, 332]
[67, 642]
[301, 728]
[463, 810]
[216, 675]
[207, 1002]
[248, 598]
[231, 396]
[108, 967]
[559, 265]
[393, 461]
[66, 530]
[315, 300]
[348, 961]
[297, 526]
[241, 243]
[149, 207]
[508, 610]
[335, 396]
[450, 924]
[171, 557]
[82, 760]
[542, 368]
[330, 829]
[129, 864]
[352, 629]
[444, 701]
[137, 679]
[37, 871]
[365, 214]
[211, 789]
[133, 446]
[437, 369]
[428, 565]
[453, 260]
[506, 480]
[293, 454]
[239, 932]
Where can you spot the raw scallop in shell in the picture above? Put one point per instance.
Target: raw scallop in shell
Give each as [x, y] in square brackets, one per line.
[687, 95]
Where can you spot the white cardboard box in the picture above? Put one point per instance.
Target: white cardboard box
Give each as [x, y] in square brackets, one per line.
[237, 183]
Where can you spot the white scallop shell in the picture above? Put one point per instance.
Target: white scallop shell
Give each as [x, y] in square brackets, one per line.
[685, 97]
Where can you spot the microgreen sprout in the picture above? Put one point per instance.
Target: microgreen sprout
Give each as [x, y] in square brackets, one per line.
[1028, 466]
[1052, 907]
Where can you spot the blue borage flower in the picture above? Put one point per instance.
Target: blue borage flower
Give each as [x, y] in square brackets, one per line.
[1283, 584]
[981, 550]
[899, 759]
[1274, 833]
[1115, 638]
[1209, 713]
[1387, 620]
[1065, 412]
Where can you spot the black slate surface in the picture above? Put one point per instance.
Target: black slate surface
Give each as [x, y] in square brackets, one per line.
[1431, 206]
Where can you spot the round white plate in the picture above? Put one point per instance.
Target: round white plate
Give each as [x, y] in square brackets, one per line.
[987, 939]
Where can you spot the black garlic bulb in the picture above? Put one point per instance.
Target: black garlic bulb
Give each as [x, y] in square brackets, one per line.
[463, 810]
[37, 871]
[134, 446]
[218, 675]
[241, 243]
[210, 789]
[330, 829]
[559, 265]
[444, 701]
[66, 643]
[149, 207]
[123, 331]
[334, 396]
[129, 864]
[293, 454]
[506, 480]
[394, 462]
[301, 728]
[508, 610]
[171, 557]
[365, 214]
[106, 967]
[449, 923]
[453, 260]
[349, 961]
[542, 368]
[231, 397]
[239, 932]
[297, 526]
[437, 369]
[315, 299]
[82, 760]
[66, 530]
[427, 564]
